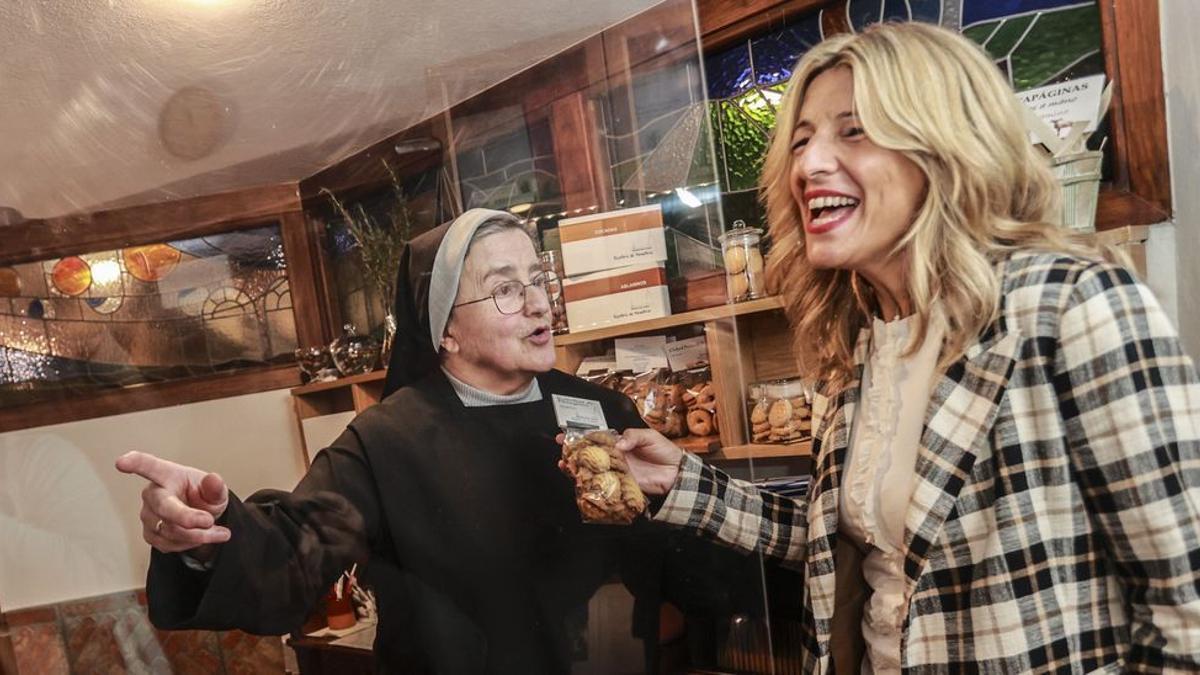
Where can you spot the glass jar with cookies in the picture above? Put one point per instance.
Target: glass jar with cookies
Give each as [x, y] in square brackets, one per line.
[742, 253]
[781, 412]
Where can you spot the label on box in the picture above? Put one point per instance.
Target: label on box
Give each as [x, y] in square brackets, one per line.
[617, 296]
[578, 413]
[640, 354]
[689, 353]
[604, 241]
[611, 283]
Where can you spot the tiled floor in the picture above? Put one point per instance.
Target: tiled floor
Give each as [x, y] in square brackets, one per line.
[112, 634]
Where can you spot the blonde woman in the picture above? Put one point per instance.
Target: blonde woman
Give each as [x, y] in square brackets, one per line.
[1007, 427]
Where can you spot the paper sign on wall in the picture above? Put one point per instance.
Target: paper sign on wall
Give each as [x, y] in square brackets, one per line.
[1061, 104]
[640, 354]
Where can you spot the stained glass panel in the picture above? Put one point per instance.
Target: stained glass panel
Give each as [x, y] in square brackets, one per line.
[1006, 34]
[929, 11]
[974, 11]
[776, 53]
[150, 313]
[656, 133]
[1034, 42]
[742, 120]
[728, 72]
[863, 13]
[745, 143]
[1043, 47]
[514, 168]
[1055, 42]
[897, 10]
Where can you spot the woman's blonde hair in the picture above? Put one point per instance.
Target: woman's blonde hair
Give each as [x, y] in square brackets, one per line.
[936, 98]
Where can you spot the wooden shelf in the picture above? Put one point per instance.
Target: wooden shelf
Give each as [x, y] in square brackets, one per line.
[764, 451]
[683, 319]
[699, 445]
[352, 394]
[373, 376]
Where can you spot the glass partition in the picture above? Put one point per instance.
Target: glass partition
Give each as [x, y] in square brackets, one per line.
[188, 213]
[195, 195]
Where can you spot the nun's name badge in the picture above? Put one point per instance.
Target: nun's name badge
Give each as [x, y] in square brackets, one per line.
[578, 413]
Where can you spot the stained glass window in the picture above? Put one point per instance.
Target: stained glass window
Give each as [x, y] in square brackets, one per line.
[657, 134]
[512, 169]
[1043, 42]
[745, 86]
[151, 313]
[1034, 42]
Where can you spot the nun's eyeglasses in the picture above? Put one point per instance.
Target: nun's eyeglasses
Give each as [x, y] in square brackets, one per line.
[510, 295]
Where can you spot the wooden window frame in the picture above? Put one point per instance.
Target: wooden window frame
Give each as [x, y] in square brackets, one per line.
[171, 221]
[1140, 190]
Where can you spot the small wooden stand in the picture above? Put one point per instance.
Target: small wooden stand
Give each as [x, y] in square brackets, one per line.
[355, 393]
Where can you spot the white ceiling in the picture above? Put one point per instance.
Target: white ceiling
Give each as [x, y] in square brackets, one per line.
[302, 82]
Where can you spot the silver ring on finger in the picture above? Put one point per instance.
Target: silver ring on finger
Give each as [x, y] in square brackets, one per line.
[158, 526]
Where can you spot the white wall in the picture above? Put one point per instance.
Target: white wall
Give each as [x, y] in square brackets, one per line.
[1181, 71]
[69, 523]
[1161, 274]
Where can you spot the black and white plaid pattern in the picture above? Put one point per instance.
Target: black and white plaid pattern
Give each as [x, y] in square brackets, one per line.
[1055, 521]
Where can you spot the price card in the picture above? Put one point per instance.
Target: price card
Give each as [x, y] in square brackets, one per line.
[689, 353]
[578, 413]
[640, 354]
[592, 364]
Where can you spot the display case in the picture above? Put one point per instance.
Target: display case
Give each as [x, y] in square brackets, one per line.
[605, 150]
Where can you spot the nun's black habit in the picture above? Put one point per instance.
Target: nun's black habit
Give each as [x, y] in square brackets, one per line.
[471, 536]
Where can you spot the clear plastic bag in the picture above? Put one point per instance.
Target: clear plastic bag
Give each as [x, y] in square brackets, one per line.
[605, 490]
[663, 407]
[700, 398]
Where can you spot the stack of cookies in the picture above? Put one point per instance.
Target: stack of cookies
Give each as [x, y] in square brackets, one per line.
[744, 276]
[744, 270]
[780, 420]
[701, 402]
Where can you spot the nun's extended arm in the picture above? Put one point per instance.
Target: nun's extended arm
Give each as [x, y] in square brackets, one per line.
[285, 551]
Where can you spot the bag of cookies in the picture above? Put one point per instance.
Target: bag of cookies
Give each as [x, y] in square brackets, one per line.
[605, 491]
[700, 399]
[663, 407]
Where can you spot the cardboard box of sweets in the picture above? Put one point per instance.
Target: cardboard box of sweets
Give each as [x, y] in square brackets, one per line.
[617, 296]
[604, 241]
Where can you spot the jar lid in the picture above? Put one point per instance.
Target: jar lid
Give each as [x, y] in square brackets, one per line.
[789, 388]
[740, 229]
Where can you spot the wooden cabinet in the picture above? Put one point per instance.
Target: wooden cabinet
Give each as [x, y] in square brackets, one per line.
[747, 342]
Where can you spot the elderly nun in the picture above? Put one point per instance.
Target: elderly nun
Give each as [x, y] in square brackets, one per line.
[448, 489]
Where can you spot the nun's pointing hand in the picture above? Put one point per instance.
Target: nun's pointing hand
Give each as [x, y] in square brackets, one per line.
[180, 505]
[653, 459]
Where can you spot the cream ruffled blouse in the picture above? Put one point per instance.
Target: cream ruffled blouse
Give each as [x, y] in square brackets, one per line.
[879, 478]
